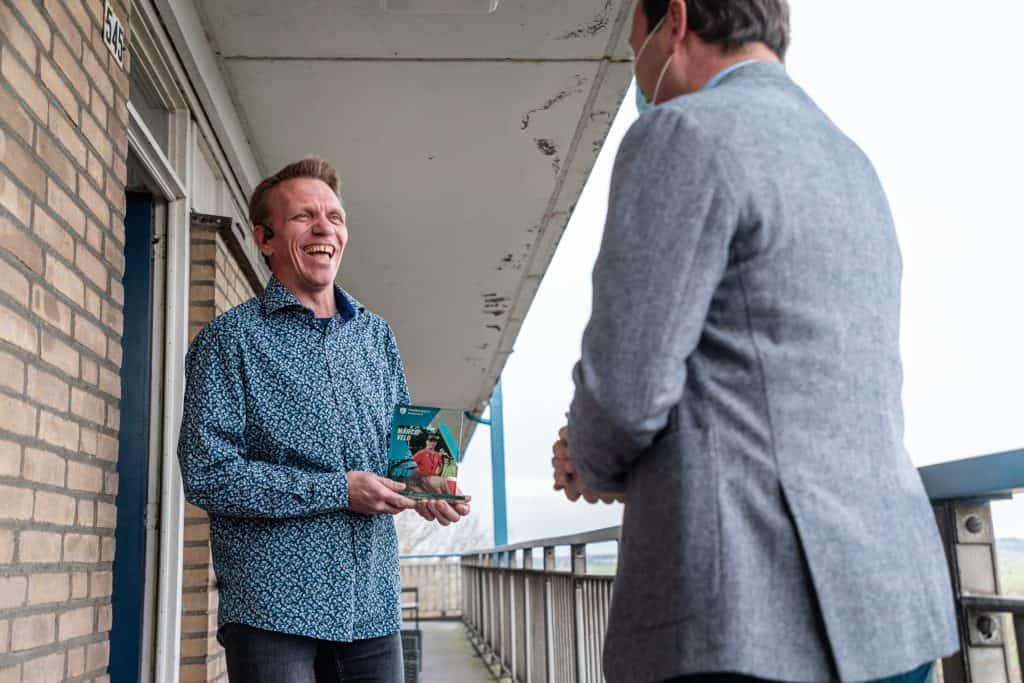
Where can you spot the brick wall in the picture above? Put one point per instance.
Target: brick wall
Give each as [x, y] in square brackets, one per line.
[63, 145]
[217, 285]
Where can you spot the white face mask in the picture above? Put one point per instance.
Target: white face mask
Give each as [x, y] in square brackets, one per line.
[642, 104]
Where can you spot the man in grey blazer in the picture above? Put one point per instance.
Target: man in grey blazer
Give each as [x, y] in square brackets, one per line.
[740, 380]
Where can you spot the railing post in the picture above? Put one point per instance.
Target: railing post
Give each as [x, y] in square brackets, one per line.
[967, 532]
[549, 618]
[528, 615]
[512, 614]
[579, 568]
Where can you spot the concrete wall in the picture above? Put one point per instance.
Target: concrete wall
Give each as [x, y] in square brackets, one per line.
[63, 145]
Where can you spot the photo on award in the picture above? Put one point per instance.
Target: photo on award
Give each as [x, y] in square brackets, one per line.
[424, 451]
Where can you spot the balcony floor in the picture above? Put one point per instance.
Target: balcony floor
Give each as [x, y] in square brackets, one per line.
[448, 655]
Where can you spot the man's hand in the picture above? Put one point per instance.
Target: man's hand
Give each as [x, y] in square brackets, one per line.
[441, 511]
[565, 474]
[370, 494]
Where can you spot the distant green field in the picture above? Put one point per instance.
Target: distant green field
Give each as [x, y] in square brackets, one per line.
[1011, 565]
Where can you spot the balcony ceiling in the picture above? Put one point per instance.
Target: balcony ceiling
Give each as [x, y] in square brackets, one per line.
[463, 142]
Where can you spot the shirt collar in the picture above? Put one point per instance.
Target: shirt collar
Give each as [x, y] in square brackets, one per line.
[717, 78]
[277, 297]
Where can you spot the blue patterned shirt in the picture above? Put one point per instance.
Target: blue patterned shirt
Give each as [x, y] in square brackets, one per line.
[278, 408]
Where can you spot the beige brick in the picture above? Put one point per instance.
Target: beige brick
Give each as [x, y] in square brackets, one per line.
[83, 477]
[6, 546]
[106, 515]
[32, 632]
[17, 35]
[23, 165]
[115, 352]
[93, 302]
[95, 134]
[54, 508]
[56, 238]
[76, 662]
[95, 166]
[44, 467]
[120, 171]
[66, 131]
[23, 81]
[59, 354]
[106, 448]
[12, 372]
[65, 280]
[113, 318]
[46, 588]
[110, 481]
[36, 21]
[94, 234]
[67, 28]
[47, 389]
[90, 371]
[68, 61]
[86, 513]
[17, 329]
[108, 549]
[38, 546]
[113, 418]
[98, 656]
[46, 305]
[104, 617]
[101, 585]
[14, 283]
[56, 161]
[5, 632]
[79, 585]
[110, 382]
[92, 266]
[17, 416]
[16, 502]
[63, 205]
[12, 591]
[92, 198]
[81, 548]
[15, 240]
[16, 116]
[75, 623]
[101, 110]
[48, 668]
[91, 336]
[87, 441]
[197, 532]
[58, 431]
[88, 406]
[10, 459]
[51, 78]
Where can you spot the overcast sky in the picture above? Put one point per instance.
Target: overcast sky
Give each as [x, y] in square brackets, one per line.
[926, 87]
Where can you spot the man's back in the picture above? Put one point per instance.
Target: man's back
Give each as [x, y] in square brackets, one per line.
[775, 526]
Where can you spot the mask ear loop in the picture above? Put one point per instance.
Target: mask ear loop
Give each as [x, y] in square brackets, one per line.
[657, 88]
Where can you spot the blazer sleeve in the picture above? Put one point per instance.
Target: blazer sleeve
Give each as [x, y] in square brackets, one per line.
[671, 218]
[216, 474]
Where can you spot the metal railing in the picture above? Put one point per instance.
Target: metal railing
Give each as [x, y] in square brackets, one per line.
[438, 580]
[535, 615]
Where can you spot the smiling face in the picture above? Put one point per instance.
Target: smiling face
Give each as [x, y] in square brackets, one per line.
[309, 238]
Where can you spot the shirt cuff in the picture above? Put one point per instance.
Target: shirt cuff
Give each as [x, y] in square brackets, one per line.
[330, 491]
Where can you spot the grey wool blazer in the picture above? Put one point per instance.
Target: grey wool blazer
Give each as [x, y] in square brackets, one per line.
[740, 381]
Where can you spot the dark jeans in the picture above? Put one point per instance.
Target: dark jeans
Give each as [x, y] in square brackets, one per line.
[258, 656]
[920, 675]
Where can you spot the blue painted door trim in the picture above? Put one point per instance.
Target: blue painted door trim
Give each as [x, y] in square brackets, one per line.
[133, 460]
[497, 423]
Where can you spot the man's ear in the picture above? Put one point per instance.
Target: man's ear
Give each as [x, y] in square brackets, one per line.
[678, 19]
[259, 235]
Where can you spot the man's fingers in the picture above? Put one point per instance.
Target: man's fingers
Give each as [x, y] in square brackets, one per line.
[462, 508]
[391, 484]
[445, 511]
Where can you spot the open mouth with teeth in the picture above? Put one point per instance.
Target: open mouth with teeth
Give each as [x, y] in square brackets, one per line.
[316, 249]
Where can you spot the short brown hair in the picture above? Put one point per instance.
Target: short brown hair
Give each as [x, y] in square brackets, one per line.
[311, 167]
[731, 24]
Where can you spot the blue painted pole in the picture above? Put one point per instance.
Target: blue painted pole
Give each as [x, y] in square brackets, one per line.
[498, 467]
